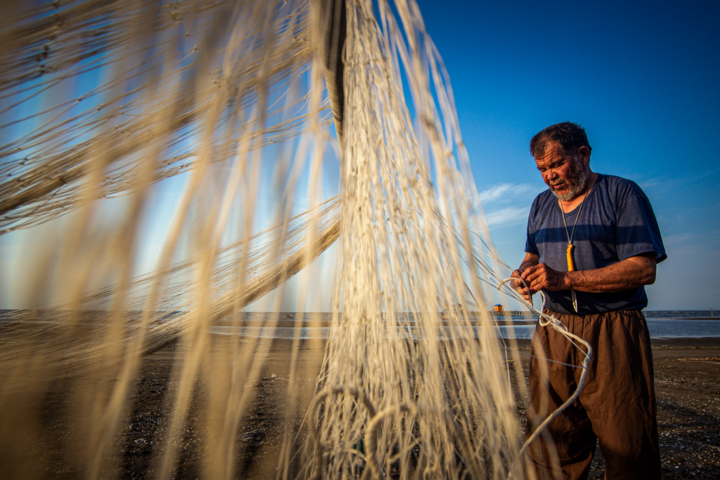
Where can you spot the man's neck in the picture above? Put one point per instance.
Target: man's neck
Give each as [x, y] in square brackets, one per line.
[570, 205]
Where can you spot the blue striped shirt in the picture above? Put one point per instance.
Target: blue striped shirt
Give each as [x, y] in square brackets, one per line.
[616, 222]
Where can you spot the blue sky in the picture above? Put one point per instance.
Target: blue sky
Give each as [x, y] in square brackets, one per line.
[641, 77]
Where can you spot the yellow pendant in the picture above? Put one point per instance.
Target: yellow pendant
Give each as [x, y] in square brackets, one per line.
[570, 263]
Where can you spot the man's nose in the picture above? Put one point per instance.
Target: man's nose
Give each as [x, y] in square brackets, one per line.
[550, 174]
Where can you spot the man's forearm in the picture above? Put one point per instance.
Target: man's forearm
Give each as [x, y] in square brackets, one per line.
[530, 260]
[628, 274]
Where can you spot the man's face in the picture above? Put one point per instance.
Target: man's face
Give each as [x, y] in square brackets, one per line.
[564, 174]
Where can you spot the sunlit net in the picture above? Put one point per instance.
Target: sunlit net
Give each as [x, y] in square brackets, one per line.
[223, 95]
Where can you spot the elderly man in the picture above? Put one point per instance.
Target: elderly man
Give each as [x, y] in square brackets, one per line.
[592, 244]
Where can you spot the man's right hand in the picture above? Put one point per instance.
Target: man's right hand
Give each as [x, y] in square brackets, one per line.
[519, 286]
[530, 260]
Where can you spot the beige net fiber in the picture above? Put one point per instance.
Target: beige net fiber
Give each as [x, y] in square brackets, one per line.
[248, 137]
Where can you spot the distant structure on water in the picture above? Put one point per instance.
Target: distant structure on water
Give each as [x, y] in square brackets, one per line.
[498, 309]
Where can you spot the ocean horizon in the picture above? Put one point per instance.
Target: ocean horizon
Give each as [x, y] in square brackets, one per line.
[662, 324]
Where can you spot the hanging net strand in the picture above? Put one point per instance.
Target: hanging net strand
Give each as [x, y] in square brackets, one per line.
[169, 171]
[44, 165]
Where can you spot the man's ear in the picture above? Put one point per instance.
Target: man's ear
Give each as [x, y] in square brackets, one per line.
[583, 154]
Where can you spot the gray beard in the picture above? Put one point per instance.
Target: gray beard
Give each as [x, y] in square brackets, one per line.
[575, 183]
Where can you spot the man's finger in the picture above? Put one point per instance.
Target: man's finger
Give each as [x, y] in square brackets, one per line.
[517, 282]
[537, 283]
[534, 276]
[528, 271]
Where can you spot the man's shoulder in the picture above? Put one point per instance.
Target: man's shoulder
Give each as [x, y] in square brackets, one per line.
[618, 187]
[614, 181]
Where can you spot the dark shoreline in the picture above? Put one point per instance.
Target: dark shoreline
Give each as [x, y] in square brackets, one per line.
[689, 318]
[687, 382]
[681, 342]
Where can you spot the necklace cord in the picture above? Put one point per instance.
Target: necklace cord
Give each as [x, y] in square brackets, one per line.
[582, 204]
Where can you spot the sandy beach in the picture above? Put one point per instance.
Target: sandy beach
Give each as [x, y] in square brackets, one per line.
[687, 379]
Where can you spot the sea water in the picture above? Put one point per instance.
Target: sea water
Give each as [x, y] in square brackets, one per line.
[661, 324]
[665, 324]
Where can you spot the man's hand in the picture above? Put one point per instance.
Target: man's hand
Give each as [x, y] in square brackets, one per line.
[541, 276]
[529, 261]
[520, 286]
[633, 272]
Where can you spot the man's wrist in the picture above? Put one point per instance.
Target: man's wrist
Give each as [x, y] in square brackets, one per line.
[569, 280]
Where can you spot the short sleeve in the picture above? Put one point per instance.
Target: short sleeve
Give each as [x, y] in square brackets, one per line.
[530, 242]
[637, 228]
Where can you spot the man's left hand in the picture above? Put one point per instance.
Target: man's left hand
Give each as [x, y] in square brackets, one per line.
[541, 276]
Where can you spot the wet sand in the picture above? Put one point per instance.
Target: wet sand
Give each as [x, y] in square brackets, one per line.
[687, 379]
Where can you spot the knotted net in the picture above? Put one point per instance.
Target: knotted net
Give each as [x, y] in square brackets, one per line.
[103, 102]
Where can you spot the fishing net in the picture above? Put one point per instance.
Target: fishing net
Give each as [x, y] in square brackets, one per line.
[226, 107]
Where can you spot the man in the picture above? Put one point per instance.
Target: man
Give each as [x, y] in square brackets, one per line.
[592, 244]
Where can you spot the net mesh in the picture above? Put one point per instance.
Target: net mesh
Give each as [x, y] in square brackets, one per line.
[104, 99]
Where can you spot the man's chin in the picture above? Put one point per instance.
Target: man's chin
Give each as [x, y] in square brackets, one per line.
[564, 196]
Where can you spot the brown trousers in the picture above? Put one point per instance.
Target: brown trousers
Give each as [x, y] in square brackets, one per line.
[616, 406]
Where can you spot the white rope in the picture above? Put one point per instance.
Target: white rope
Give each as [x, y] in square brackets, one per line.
[228, 96]
[545, 320]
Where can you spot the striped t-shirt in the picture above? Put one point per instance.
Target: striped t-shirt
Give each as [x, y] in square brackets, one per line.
[616, 222]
